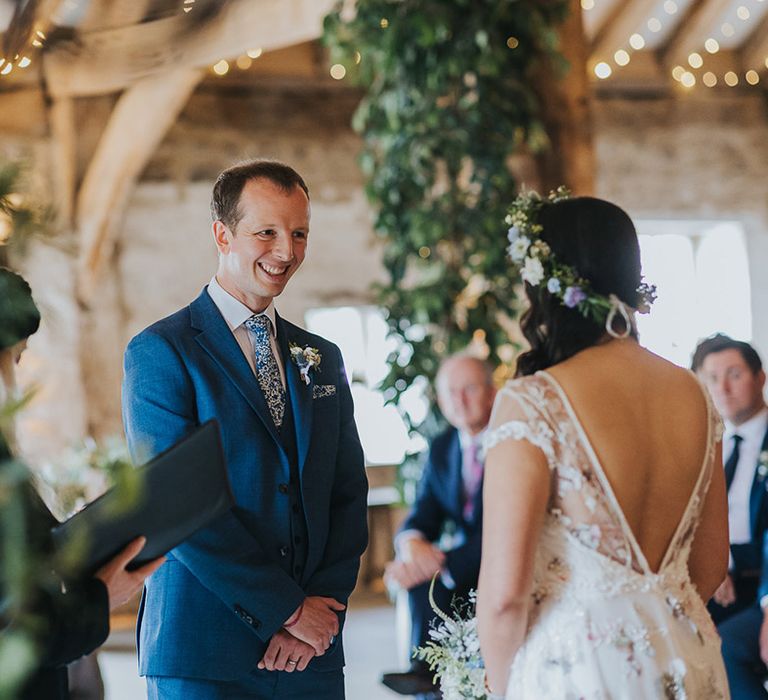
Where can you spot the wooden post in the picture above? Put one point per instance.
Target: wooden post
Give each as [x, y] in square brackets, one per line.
[565, 100]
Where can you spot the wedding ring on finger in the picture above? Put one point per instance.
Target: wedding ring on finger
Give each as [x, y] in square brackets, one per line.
[291, 663]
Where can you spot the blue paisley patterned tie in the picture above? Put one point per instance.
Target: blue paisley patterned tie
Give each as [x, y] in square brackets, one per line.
[267, 371]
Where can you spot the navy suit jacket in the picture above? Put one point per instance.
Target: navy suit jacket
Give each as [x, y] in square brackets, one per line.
[749, 556]
[211, 609]
[441, 500]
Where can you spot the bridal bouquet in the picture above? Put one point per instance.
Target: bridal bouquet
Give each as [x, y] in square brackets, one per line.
[453, 652]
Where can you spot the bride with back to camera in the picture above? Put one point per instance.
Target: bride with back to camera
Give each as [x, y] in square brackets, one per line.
[605, 518]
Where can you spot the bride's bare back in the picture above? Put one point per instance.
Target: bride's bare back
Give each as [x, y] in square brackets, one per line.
[646, 420]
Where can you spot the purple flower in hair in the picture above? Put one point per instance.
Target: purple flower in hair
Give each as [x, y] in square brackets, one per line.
[573, 296]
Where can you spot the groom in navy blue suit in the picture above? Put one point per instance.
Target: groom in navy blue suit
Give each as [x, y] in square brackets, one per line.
[443, 532]
[253, 605]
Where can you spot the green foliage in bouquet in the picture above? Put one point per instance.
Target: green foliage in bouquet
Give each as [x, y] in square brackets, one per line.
[448, 101]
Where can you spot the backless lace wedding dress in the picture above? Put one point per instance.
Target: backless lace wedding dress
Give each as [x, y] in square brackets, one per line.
[602, 625]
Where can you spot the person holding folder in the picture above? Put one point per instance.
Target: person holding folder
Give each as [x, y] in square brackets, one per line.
[65, 619]
[253, 604]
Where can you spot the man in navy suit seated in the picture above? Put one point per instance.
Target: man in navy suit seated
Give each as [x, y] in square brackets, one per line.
[733, 373]
[444, 530]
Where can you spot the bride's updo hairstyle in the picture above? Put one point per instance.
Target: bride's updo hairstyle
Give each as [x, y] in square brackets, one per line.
[599, 240]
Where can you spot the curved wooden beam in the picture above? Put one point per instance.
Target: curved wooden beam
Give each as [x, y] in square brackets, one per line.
[139, 121]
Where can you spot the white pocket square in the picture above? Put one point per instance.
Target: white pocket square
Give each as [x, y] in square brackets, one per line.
[320, 391]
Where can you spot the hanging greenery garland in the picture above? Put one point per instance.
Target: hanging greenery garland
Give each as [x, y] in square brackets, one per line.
[448, 101]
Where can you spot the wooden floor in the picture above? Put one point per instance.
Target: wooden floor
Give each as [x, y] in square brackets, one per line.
[369, 643]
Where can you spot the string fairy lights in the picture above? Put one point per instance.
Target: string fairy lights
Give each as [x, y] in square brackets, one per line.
[731, 28]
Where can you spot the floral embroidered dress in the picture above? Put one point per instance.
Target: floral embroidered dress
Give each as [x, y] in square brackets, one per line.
[602, 624]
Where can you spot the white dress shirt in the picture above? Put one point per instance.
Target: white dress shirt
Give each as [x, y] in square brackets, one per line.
[236, 313]
[752, 433]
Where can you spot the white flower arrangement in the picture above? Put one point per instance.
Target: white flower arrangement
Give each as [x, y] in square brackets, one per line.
[538, 263]
[453, 652]
[306, 359]
[762, 465]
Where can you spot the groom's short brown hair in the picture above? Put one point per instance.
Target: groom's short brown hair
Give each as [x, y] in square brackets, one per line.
[229, 186]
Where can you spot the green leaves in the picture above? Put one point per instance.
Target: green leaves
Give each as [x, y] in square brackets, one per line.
[448, 101]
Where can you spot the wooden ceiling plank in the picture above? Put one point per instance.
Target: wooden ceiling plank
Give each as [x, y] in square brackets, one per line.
[138, 123]
[108, 61]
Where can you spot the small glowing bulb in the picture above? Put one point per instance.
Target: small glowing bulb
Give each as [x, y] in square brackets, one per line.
[670, 7]
[358, 57]
[603, 70]
[24, 62]
[711, 45]
[743, 13]
[677, 73]
[695, 60]
[221, 68]
[752, 77]
[8, 68]
[621, 57]
[727, 29]
[513, 42]
[254, 53]
[636, 41]
[654, 24]
[424, 252]
[731, 79]
[244, 62]
[384, 23]
[709, 79]
[688, 79]
[338, 71]
[587, 4]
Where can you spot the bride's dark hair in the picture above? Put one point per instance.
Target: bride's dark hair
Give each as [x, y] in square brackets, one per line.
[599, 240]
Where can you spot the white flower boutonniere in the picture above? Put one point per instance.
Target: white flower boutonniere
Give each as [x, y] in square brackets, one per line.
[306, 359]
[762, 465]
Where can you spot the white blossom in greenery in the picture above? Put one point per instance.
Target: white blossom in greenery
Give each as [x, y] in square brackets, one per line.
[518, 249]
[553, 285]
[453, 653]
[533, 271]
[513, 234]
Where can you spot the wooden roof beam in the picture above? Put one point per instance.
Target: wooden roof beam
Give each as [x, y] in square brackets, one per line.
[625, 22]
[694, 29]
[754, 54]
[110, 60]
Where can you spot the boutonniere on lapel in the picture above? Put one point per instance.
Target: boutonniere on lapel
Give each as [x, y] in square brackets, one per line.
[306, 359]
[762, 466]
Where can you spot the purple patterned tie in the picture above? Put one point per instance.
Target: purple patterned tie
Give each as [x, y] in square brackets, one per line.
[473, 475]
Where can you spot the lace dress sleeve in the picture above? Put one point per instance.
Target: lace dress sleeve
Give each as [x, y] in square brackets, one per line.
[517, 417]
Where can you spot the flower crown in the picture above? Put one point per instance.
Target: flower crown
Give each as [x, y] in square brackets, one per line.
[538, 263]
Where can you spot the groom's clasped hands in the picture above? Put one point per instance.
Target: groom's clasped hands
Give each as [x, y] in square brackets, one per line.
[312, 626]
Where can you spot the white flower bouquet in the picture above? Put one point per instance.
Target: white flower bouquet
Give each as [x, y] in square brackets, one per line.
[453, 652]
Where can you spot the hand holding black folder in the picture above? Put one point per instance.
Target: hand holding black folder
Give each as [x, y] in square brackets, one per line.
[173, 495]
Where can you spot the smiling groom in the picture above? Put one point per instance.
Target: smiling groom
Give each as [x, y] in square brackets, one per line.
[253, 605]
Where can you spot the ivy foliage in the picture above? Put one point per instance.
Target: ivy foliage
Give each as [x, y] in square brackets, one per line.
[448, 100]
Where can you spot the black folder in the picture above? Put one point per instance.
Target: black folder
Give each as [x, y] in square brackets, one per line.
[166, 501]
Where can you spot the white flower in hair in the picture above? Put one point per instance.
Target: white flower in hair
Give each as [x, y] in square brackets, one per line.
[519, 248]
[533, 271]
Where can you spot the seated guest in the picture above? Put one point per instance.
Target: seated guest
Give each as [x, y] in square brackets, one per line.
[733, 373]
[450, 499]
[65, 619]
